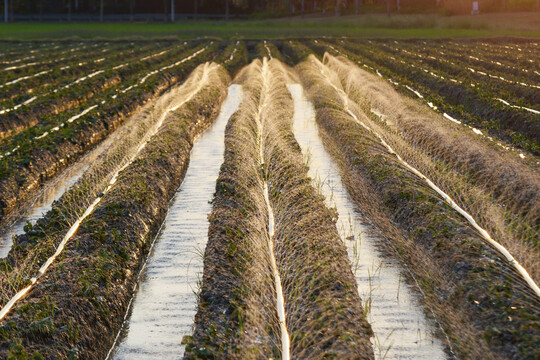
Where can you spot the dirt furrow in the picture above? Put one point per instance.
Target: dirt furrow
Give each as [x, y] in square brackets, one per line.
[501, 194]
[314, 272]
[172, 272]
[39, 160]
[485, 307]
[236, 317]
[401, 330]
[78, 305]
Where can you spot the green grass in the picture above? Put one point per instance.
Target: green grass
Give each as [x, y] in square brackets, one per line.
[366, 26]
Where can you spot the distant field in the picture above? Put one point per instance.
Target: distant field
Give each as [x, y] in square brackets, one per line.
[366, 26]
[307, 198]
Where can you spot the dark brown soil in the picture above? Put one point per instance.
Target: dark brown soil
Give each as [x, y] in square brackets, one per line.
[484, 306]
[324, 311]
[237, 316]
[77, 308]
[46, 160]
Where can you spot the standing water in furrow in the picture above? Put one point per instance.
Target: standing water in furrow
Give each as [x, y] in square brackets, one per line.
[41, 205]
[43, 201]
[165, 304]
[398, 321]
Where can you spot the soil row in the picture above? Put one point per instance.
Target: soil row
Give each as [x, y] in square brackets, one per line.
[76, 309]
[70, 90]
[483, 305]
[41, 159]
[64, 70]
[40, 58]
[318, 284]
[476, 105]
[46, 107]
[512, 57]
[232, 55]
[237, 315]
[502, 193]
[514, 88]
[39, 242]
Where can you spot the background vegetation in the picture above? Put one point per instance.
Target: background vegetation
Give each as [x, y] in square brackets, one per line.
[262, 7]
[361, 26]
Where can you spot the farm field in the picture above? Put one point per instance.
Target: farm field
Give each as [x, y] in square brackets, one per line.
[370, 26]
[279, 198]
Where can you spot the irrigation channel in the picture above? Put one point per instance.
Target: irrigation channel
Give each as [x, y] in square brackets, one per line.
[164, 307]
[398, 321]
[43, 201]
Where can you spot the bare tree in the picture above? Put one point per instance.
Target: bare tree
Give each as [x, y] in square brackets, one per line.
[302, 9]
[40, 10]
[227, 10]
[6, 12]
[165, 17]
[101, 10]
[338, 7]
[172, 10]
[131, 10]
[69, 10]
[196, 9]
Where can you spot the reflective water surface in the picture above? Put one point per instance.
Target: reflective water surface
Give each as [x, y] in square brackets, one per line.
[51, 192]
[165, 304]
[398, 321]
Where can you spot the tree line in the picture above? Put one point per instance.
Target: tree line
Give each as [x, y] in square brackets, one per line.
[262, 8]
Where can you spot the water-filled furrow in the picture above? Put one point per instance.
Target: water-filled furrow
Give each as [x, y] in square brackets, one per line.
[165, 304]
[90, 209]
[52, 191]
[447, 198]
[398, 321]
[43, 203]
